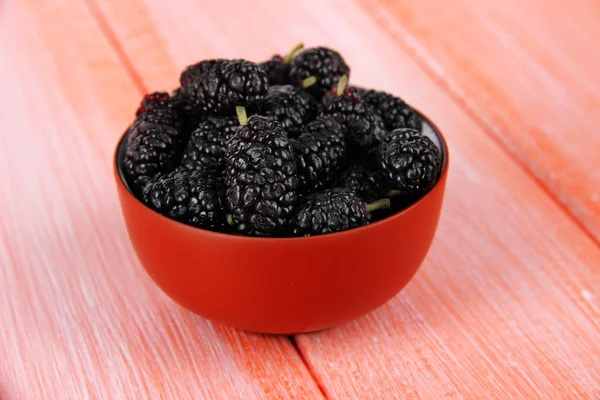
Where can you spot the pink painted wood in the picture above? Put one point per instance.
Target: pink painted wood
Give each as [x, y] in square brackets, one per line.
[79, 318]
[527, 72]
[509, 291]
[505, 307]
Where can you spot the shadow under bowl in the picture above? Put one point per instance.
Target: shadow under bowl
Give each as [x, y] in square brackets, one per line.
[284, 285]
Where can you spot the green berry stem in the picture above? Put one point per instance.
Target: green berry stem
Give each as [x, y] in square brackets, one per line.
[378, 205]
[241, 114]
[394, 193]
[290, 55]
[342, 85]
[229, 219]
[308, 82]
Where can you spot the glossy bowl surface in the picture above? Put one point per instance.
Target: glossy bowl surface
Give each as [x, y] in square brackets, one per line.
[284, 285]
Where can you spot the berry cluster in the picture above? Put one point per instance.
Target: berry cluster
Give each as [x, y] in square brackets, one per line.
[281, 148]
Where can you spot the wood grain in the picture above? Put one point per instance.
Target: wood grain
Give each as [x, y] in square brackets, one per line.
[526, 71]
[80, 319]
[505, 306]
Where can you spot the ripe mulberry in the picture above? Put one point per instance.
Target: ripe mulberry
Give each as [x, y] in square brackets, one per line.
[366, 182]
[208, 144]
[291, 106]
[319, 151]
[332, 210]
[409, 162]
[150, 149]
[189, 115]
[192, 197]
[261, 177]
[363, 128]
[325, 64]
[157, 108]
[219, 85]
[394, 112]
[278, 67]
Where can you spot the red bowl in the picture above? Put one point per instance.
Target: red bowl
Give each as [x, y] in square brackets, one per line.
[284, 285]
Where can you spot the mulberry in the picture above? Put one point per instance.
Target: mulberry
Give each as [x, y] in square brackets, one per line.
[261, 177]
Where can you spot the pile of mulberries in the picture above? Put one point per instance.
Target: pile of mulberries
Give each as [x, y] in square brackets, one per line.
[284, 147]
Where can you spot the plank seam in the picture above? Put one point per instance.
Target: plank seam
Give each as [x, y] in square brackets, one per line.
[116, 46]
[131, 71]
[313, 375]
[471, 113]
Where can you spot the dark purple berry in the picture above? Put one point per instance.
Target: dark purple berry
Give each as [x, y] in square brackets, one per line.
[278, 67]
[319, 151]
[277, 71]
[192, 197]
[186, 112]
[219, 85]
[332, 210]
[362, 126]
[394, 112]
[261, 177]
[150, 149]
[291, 106]
[367, 183]
[158, 108]
[410, 163]
[325, 64]
[208, 144]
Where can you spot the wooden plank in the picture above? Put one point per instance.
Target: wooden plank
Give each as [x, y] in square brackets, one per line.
[80, 319]
[506, 306]
[162, 39]
[525, 70]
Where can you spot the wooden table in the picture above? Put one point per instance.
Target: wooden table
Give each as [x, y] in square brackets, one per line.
[506, 305]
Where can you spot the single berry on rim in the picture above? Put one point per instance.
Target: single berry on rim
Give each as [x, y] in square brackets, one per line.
[319, 151]
[332, 210]
[219, 85]
[325, 64]
[192, 197]
[410, 163]
[261, 177]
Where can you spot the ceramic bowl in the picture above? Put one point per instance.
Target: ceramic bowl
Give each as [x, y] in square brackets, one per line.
[284, 285]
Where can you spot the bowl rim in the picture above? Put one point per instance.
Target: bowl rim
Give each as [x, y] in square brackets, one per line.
[117, 154]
